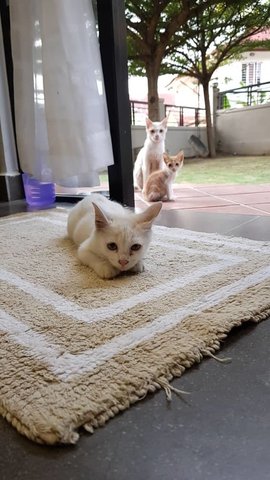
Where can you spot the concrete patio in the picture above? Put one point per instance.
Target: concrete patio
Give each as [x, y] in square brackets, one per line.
[222, 198]
[233, 199]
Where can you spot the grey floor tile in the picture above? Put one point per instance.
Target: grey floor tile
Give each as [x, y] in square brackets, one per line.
[257, 228]
[202, 222]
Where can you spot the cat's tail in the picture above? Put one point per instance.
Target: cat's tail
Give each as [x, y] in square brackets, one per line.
[153, 197]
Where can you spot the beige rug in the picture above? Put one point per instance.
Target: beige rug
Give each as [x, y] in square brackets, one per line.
[75, 350]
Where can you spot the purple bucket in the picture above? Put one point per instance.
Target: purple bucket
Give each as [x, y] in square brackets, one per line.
[38, 194]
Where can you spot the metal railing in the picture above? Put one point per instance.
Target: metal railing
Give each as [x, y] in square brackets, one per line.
[178, 116]
[249, 95]
[139, 110]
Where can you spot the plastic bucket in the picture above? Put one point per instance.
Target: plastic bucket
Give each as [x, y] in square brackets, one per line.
[38, 194]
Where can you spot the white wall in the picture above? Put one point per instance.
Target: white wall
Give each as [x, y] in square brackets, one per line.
[229, 75]
[244, 131]
[176, 139]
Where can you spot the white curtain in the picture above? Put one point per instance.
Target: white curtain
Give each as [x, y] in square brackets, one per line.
[60, 106]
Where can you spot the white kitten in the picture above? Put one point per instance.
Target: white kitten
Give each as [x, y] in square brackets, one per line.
[110, 238]
[150, 157]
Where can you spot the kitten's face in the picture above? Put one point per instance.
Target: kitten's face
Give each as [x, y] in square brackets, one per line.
[123, 241]
[174, 163]
[123, 246]
[156, 131]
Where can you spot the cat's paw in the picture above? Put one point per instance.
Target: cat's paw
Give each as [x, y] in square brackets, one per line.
[106, 271]
[138, 268]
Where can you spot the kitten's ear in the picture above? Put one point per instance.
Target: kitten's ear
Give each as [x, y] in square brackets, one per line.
[180, 156]
[166, 157]
[164, 122]
[101, 220]
[148, 122]
[145, 219]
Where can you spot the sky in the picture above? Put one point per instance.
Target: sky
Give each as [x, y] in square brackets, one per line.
[138, 86]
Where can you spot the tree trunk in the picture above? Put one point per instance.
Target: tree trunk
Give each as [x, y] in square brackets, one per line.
[209, 125]
[152, 74]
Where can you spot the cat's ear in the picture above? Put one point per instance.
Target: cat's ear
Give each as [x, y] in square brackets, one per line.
[145, 219]
[180, 156]
[164, 122]
[166, 157]
[101, 221]
[148, 122]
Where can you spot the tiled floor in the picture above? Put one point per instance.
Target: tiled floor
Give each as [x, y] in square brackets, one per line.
[241, 199]
[220, 431]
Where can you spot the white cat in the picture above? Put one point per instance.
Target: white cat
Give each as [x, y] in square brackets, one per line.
[110, 238]
[150, 157]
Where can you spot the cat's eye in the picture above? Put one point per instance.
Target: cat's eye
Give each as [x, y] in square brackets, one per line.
[169, 165]
[112, 246]
[135, 247]
[177, 164]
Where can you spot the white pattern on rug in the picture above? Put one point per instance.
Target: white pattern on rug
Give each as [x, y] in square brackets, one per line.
[66, 366]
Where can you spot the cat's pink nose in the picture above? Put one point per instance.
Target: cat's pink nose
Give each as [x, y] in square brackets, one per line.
[123, 262]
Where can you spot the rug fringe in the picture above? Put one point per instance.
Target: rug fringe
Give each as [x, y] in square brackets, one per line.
[220, 360]
[209, 352]
[168, 389]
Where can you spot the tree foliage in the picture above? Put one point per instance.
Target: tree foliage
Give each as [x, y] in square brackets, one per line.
[190, 38]
[153, 27]
[214, 36]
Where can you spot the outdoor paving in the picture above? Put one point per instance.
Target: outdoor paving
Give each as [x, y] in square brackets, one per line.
[238, 199]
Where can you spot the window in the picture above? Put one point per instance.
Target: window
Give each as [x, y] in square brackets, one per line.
[251, 73]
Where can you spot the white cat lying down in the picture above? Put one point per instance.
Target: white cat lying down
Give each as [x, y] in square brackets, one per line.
[110, 238]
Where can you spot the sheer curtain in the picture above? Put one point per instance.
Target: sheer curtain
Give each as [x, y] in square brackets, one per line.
[60, 105]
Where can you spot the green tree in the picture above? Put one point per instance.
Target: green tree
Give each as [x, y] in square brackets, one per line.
[152, 32]
[215, 35]
[189, 37]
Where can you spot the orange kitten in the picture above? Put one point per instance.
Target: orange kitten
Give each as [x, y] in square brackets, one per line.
[159, 184]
